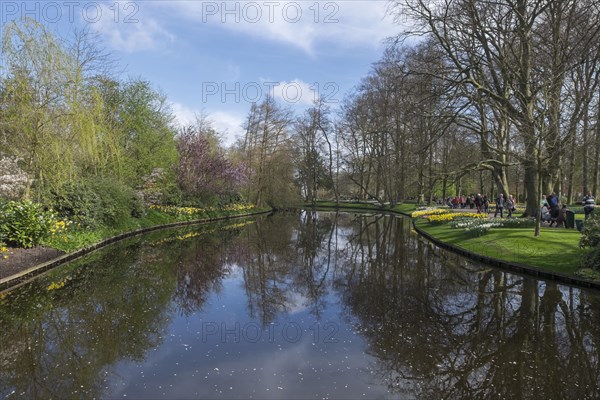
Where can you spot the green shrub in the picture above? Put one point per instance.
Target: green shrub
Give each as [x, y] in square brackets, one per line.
[24, 223]
[96, 202]
[79, 203]
[591, 238]
[591, 231]
[592, 260]
[118, 201]
[171, 195]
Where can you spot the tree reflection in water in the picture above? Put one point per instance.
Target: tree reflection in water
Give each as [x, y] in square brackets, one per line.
[435, 325]
[287, 256]
[451, 330]
[62, 343]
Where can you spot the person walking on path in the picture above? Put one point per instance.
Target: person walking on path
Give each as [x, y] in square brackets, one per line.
[478, 203]
[510, 205]
[589, 204]
[499, 206]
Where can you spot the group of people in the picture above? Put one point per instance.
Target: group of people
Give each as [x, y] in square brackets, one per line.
[478, 201]
[552, 211]
[503, 203]
[482, 204]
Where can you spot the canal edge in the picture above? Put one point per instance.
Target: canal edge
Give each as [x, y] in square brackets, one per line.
[13, 281]
[491, 261]
[507, 265]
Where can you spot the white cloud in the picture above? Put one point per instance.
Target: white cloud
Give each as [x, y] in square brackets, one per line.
[296, 303]
[301, 24]
[295, 92]
[227, 123]
[183, 114]
[131, 34]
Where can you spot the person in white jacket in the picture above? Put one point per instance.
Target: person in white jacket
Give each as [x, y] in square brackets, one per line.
[589, 204]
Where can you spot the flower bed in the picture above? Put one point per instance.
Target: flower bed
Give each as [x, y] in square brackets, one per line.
[474, 224]
[192, 213]
[429, 211]
[448, 217]
[478, 227]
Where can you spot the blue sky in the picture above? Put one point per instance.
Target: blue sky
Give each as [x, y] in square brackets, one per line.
[217, 56]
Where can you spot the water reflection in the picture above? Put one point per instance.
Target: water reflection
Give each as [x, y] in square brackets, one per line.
[297, 305]
[465, 332]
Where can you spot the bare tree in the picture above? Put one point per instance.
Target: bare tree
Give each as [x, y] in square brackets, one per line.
[267, 151]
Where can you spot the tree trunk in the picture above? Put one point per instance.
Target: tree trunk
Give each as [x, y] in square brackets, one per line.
[570, 175]
[586, 153]
[530, 180]
[597, 157]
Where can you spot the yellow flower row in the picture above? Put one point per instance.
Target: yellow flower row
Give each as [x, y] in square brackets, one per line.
[194, 210]
[238, 207]
[55, 285]
[443, 218]
[60, 227]
[433, 211]
[177, 210]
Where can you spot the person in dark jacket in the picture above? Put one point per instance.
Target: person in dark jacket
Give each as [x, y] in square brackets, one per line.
[562, 217]
[499, 206]
[553, 205]
[479, 203]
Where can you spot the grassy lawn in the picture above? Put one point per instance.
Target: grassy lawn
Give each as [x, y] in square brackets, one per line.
[76, 239]
[556, 249]
[405, 208]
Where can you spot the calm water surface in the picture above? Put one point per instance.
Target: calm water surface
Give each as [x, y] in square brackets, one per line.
[297, 305]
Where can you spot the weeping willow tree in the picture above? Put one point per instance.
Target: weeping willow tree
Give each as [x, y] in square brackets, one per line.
[52, 115]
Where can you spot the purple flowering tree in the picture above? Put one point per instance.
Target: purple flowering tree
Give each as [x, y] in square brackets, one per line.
[204, 170]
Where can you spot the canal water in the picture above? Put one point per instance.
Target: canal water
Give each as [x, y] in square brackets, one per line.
[295, 305]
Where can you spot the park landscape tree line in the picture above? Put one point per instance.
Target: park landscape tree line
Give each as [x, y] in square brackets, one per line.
[492, 97]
